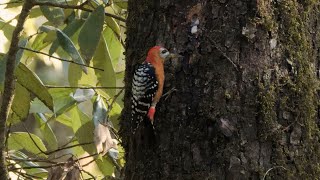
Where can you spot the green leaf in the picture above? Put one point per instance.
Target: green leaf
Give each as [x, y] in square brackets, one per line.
[39, 43]
[114, 115]
[113, 25]
[69, 30]
[53, 14]
[99, 111]
[38, 107]
[22, 43]
[37, 171]
[85, 135]
[90, 33]
[50, 33]
[22, 140]
[102, 59]
[46, 28]
[70, 48]
[62, 100]
[115, 48]
[106, 166]
[20, 105]
[13, 4]
[83, 128]
[122, 4]
[7, 28]
[47, 132]
[31, 81]
[64, 119]
[3, 60]
[77, 78]
[78, 119]
[35, 12]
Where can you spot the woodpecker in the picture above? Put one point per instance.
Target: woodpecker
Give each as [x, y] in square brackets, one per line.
[147, 85]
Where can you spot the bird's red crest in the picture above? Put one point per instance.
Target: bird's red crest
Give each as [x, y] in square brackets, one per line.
[151, 53]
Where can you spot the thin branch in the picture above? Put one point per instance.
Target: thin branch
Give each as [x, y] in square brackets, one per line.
[34, 142]
[36, 167]
[59, 149]
[81, 7]
[92, 176]
[9, 83]
[68, 147]
[61, 59]
[91, 155]
[26, 175]
[84, 87]
[114, 100]
[7, 137]
[33, 160]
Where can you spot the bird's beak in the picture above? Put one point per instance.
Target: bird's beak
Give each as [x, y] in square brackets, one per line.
[173, 55]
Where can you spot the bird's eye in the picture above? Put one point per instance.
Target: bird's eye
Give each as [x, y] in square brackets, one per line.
[164, 51]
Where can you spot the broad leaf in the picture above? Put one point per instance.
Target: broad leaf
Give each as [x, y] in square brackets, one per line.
[7, 29]
[47, 132]
[106, 166]
[90, 33]
[20, 105]
[64, 119]
[102, 59]
[69, 30]
[22, 43]
[113, 25]
[37, 171]
[3, 60]
[83, 128]
[115, 48]
[30, 81]
[50, 33]
[46, 28]
[76, 77]
[13, 4]
[53, 14]
[39, 43]
[114, 114]
[79, 119]
[62, 98]
[35, 12]
[122, 4]
[38, 107]
[70, 48]
[22, 140]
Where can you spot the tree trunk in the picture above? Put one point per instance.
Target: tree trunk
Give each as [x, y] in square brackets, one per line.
[245, 105]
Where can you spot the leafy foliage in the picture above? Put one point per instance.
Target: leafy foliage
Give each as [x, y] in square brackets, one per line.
[84, 35]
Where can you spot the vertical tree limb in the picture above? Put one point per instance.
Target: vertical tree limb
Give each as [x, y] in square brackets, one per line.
[9, 84]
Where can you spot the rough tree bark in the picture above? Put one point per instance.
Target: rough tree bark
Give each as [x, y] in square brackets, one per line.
[246, 101]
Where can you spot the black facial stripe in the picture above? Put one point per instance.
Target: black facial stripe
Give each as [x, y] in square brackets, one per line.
[164, 51]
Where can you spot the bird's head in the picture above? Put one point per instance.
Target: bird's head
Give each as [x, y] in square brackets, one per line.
[158, 54]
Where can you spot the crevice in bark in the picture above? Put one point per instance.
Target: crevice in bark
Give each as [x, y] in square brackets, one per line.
[222, 123]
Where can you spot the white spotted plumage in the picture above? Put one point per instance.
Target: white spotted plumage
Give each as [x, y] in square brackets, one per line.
[144, 87]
